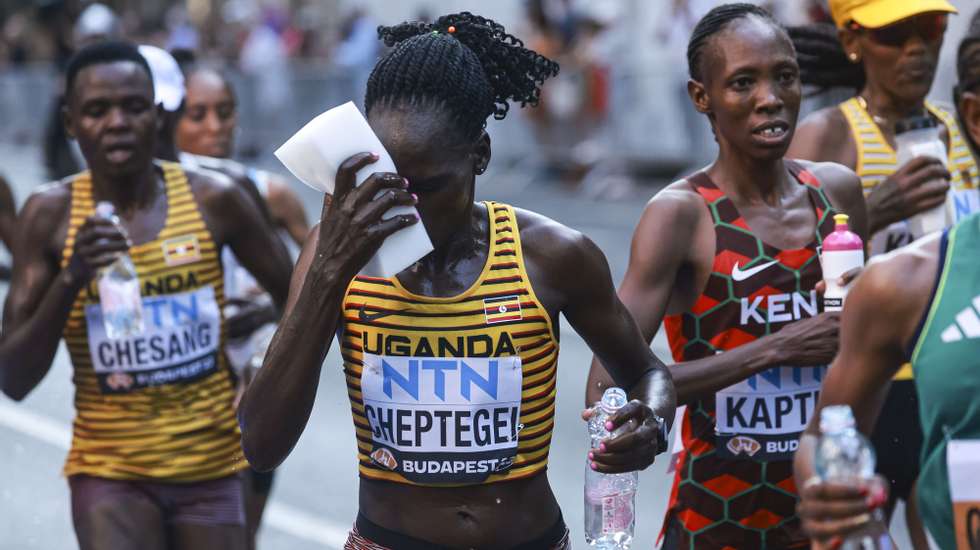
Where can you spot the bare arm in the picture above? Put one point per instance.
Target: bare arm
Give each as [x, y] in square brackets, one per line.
[41, 293]
[824, 136]
[287, 211]
[879, 320]
[591, 306]
[8, 214]
[278, 402]
[253, 241]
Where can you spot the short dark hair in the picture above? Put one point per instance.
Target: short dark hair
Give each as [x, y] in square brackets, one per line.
[714, 22]
[466, 63]
[102, 53]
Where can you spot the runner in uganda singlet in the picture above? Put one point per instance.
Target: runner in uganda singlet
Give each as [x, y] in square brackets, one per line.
[156, 405]
[734, 482]
[457, 390]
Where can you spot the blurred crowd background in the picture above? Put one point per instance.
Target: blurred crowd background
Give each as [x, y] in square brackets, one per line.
[616, 116]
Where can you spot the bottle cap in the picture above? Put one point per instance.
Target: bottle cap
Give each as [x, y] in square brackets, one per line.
[914, 123]
[836, 418]
[841, 219]
[613, 399]
[105, 209]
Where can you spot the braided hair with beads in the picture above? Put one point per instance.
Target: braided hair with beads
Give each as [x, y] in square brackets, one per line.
[714, 22]
[462, 62]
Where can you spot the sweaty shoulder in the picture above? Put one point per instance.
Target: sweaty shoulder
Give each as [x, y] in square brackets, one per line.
[824, 135]
[841, 183]
[45, 215]
[677, 207]
[543, 236]
[560, 260]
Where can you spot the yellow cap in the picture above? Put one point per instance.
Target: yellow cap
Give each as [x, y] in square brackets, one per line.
[873, 14]
[841, 219]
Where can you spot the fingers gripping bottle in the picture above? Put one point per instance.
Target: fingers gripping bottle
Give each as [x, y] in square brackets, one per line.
[842, 251]
[914, 137]
[845, 456]
[609, 498]
[119, 290]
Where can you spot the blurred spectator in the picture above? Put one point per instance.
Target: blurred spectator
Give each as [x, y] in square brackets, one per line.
[357, 51]
[61, 154]
[263, 60]
[183, 34]
[574, 105]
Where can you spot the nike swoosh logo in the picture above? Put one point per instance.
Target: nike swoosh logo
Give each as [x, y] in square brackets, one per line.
[368, 317]
[740, 275]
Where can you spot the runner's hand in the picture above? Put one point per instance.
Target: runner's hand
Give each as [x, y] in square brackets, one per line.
[919, 185]
[844, 280]
[810, 342]
[353, 226]
[635, 443]
[829, 511]
[97, 244]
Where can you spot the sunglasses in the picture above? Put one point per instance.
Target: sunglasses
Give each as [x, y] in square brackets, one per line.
[929, 27]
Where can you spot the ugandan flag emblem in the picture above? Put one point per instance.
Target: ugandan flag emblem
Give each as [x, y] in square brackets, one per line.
[181, 250]
[502, 309]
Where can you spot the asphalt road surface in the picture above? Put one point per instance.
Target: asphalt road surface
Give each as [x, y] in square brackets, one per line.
[315, 496]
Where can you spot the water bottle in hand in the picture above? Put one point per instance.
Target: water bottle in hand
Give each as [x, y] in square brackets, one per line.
[609, 498]
[119, 290]
[845, 456]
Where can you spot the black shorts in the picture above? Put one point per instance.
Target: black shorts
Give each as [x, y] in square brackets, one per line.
[897, 438]
[368, 535]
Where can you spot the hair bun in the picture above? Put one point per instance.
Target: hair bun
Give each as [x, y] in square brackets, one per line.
[514, 72]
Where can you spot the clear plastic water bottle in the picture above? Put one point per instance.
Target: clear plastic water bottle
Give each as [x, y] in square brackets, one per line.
[845, 456]
[610, 499]
[119, 290]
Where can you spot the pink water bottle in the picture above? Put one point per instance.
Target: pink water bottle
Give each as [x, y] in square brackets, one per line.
[842, 252]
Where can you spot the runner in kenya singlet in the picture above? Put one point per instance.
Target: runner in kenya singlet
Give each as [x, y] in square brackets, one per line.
[457, 390]
[734, 483]
[158, 405]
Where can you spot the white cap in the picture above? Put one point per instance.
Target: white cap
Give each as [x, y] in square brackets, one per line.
[168, 80]
[97, 20]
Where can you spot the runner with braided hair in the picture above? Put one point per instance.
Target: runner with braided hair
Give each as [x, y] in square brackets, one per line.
[450, 365]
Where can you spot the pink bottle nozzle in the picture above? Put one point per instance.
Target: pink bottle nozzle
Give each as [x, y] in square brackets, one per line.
[842, 238]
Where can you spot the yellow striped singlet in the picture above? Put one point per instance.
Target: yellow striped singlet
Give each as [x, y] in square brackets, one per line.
[157, 405]
[876, 160]
[457, 390]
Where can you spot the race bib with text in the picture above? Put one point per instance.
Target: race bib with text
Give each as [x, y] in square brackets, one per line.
[179, 343]
[443, 420]
[763, 416]
[963, 461]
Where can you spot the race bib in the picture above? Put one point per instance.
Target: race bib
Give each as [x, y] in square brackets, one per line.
[179, 343]
[963, 461]
[960, 203]
[761, 417]
[443, 420]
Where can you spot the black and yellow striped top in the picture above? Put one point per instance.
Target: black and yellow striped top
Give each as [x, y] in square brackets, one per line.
[156, 405]
[876, 160]
[453, 390]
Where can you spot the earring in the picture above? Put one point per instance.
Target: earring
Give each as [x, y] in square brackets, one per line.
[480, 170]
[853, 56]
